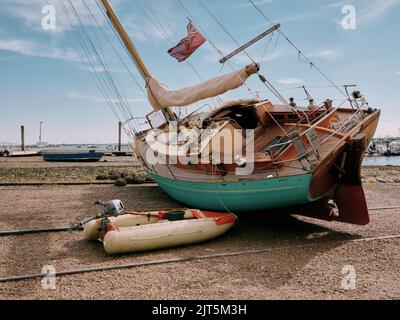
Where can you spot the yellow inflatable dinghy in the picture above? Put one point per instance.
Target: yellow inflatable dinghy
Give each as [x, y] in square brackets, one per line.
[144, 231]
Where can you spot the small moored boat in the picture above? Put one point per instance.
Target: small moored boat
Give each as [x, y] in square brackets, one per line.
[394, 148]
[73, 156]
[27, 153]
[144, 231]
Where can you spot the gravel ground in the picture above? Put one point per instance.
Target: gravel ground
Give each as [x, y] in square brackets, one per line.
[37, 162]
[64, 173]
[288, 273]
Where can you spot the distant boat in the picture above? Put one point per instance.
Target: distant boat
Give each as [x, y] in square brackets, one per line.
[394, 148]
[376, 148]
[27, 153]
[3, 153]
[73, 156]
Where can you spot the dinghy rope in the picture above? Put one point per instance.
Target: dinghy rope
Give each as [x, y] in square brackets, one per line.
[193, 258]
[79, 226]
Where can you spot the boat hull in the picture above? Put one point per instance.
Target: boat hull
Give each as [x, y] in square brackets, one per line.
[239, 196]
[164, 235]
[144, 231]
[22, 153]
[73, 157]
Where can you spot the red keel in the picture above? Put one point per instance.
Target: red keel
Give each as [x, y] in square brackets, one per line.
[350, 200]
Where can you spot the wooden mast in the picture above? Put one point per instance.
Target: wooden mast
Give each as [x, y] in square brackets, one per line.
[144, 72]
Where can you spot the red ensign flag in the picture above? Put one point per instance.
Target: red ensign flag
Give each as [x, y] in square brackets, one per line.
[188, 45]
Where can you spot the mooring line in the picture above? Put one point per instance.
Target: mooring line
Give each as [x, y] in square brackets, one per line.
[33, 231]
[66, 229]
[384, 208]
[78, 183]
[187, 259]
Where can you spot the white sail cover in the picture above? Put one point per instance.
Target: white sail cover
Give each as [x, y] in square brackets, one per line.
[160, 96]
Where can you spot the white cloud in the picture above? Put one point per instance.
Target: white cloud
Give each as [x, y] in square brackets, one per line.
[248, 4]
[376, 10]
[31, 48]
[244, 59]
[290, 81]
[100, 69]
[398, 72]
[388, 128]
[284, 20]
[93, 98]
[241, 58]
[150, 21]
[337, 4]
[30, 12]
[330, 55]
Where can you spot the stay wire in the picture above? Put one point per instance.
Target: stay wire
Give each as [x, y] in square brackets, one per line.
[312, 64]
[107, 73]
[186, 12]
[88, 61]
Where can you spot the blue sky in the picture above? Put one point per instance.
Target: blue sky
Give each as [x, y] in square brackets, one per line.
[42, 77]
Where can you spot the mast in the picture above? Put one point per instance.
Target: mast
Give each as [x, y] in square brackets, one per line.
[140, 65]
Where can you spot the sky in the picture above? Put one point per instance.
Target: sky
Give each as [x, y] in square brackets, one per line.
[44, 75]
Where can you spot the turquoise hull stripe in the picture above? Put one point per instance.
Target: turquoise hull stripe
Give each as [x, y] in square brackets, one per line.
[238, 196]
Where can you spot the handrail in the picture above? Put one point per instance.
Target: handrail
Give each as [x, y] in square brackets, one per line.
[343, 138]
[326, 130]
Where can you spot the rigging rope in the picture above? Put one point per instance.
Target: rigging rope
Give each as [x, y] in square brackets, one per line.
[111, 89]
[97, 55]
[160, 28]
[267, 83]
[168, 38]
[125, 106]
[186, 12]
[88, 61]
[223, 28]
[123, 46]
[301, 54]
[164, 33]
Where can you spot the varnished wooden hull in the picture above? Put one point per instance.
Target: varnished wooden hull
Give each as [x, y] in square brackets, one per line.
[326, 177]
[336, 176]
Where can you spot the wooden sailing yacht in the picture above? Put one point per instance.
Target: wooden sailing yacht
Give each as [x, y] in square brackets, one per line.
[303, 160]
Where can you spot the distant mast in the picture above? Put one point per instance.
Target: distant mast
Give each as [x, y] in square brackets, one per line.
[144, 72]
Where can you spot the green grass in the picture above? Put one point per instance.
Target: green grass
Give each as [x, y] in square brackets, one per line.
[84, 174]
[89, 174]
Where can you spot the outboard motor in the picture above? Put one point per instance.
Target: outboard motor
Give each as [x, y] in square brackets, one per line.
[112, 207]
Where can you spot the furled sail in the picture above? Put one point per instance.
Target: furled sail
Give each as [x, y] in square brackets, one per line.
[160, 96]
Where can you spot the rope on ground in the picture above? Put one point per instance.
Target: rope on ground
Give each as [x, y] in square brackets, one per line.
[187, 259]
[75, 228]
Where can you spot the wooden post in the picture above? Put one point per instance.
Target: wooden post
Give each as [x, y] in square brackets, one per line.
[119, 135]
[22, 138]
[40, 134]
